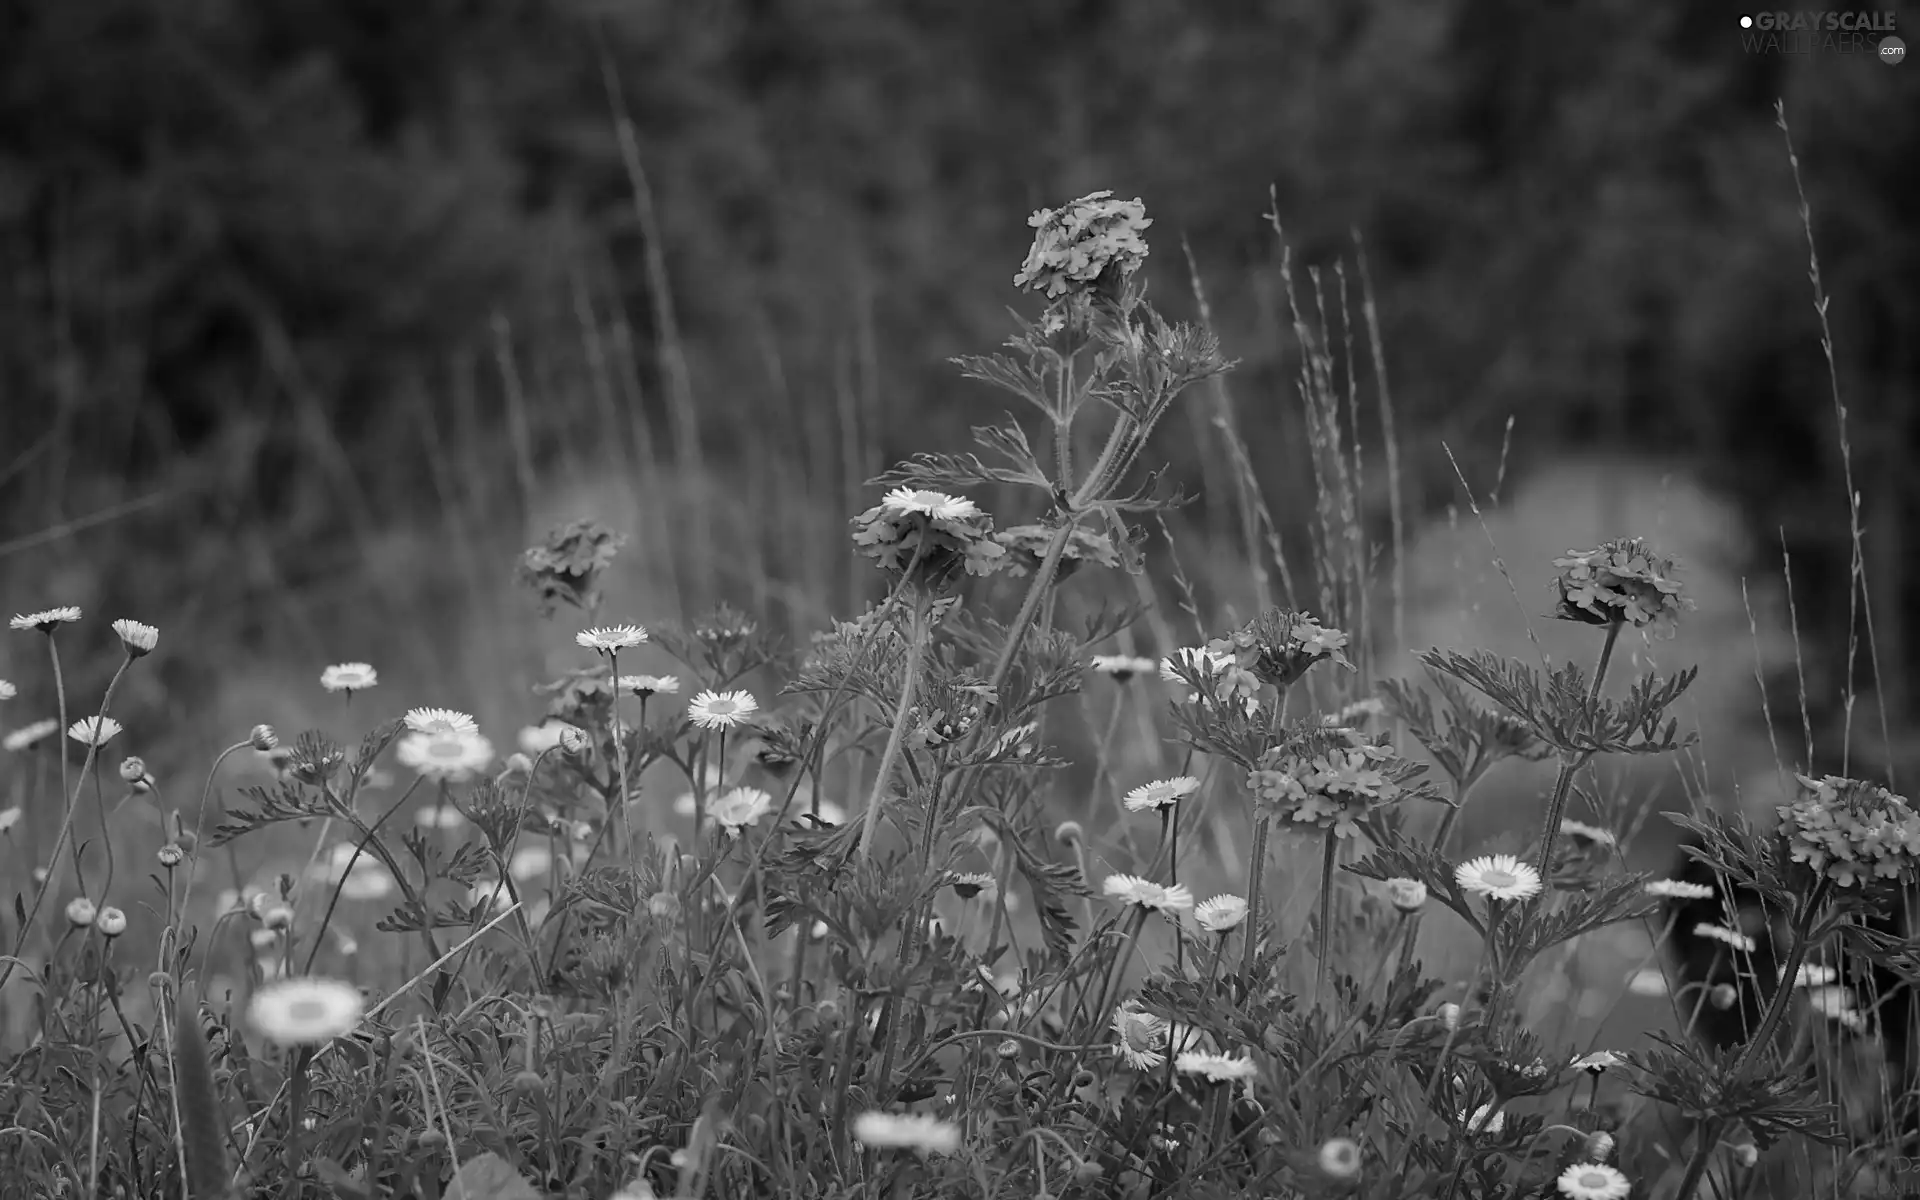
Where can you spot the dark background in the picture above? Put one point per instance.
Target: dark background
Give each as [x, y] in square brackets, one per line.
[310, 308]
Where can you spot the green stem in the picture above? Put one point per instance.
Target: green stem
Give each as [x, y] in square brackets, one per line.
[1569, 767]
[1255, 875]
[1324, 946]
[896, 738]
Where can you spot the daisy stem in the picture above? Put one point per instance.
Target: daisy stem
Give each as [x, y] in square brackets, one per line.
[1170, 818]
[902, 713]
[1256, 873]
[1570, 766]
[1324, 944]
[620, 752]
[1110, 989]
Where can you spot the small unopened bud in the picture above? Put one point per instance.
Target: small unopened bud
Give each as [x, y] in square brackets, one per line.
[132, 770]
[111, 922]
[1070, 833]
[1008, 1050]
[663, 906]
[80, 912]
[263, 738]
[1449, 1015]
[1407, 895]
[1086, 1171]
[159, 981]
[529, 1083]
[1340, 1158]
[170, 856]
[277, 916]
[1746, 1154]
[1723, 996]
[39, 875]
[1599, 1147]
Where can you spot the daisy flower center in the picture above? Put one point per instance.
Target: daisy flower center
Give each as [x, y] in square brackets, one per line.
[1495, 877]
[307, 1010]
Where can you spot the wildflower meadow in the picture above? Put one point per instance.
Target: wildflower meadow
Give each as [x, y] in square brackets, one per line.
[1031, 878]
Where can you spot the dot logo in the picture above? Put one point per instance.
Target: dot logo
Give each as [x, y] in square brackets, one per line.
[1893, 51]
[1746, 22]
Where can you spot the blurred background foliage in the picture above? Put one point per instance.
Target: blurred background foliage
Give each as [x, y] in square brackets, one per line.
[316, 310]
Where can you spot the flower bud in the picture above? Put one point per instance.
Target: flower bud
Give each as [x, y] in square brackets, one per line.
[1598, 1148]
[529, 1083]
[111, 922]
[1449, 1015]
[132, 770]
[1723, 996]
[1407, 895]
[263, 738]
[170, 856]
[276, 916]
[1070, 833]
[159, 981]
[1008, 1050]
[80, 912]
[1746, 1154]
[663, 906]
[1340, 1158]
[138, 639]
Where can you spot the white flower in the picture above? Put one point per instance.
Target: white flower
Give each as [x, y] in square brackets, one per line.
[48, 620]
[440, 720]
[28, 736]
[1449, 1015]
[349, 677]
[650, 685]
[1134, 890]
[1836, 1005]
[1220, 1068]
[969, 885]
[1813, 975]
[1407, 895]
[137, 638]
[1484, 1120]
[1745, 1154]
[530, 861]
[1586, 832]
[1596, 1062]
[360, 875]
[936, 506]
[1678, 889]
[1340, 1158]
[1498, 877]
[1222, 914]
[453, 757]
[7, 690]
[1161, 793]
[111, 922]
[1142, 1037]
[1593, 1181]
[1647, 981]
[1723, 996]
[94, 731]
[9, 817]
[305, 1012]
[909, 1131]
[80, 912]
[1720, 933]
[721, 710]
[739, 808]
[1122, 666]
[610, 639]
[1598, 1147]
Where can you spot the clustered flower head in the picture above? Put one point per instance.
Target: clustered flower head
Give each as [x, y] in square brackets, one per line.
[936, 536]
[1218, 676]
[1088, 242]
[1279, 646]
[1850, 831]
[1326, 779]
[1624, 580]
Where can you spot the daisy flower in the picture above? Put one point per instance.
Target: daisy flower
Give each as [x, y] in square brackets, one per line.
[1678, 889]
[7, 690]
[906, 1131]
[47, 620]
[1122, 667]
[80, 912]
[94, 731]
[111, 922]
[1592, 1181]
[650, 685]
[1596, 1062]
[610, 639]
[1161, 793]
[739, 808]
[305, 1012]
[349, 677]
[1498, 877]
[9, 817]
[440, 720]
[28, 736]
[1813, 975]
[1219, 1068]
[1586, 832]
[138, 639]
[1340, 1158]
[937, 505]
[971, 884]
[1484, 1120]
[1720, 933]
[1221, 915]
[721, 710]
[1141, 1037]
[452, 757]
[1134, 890]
